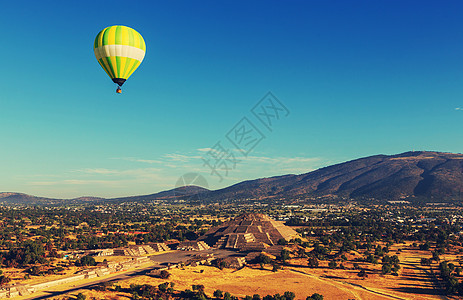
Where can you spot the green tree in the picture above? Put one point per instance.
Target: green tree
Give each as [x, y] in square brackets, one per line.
[284, 255]
[275, 268]
[218, 294]
[362, 274]
[425, 246]
[198, 287]
[315, 296]
[81, 296]
[312, 262]
[444, 269]
[332, 264]
[163, 287]
[264, 259]
[425, 261]
[4, 279]
[452, 285]
[282, 242]
[164, 274]
[379, 251]
[289, 295]
[86, 261]
[458, 270]
[386, 269]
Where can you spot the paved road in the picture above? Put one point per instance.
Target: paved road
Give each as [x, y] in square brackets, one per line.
[75, 288]
[161, 260]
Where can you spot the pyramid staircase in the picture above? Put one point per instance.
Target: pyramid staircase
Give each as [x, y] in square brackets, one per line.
[248, 232]
[221, 242]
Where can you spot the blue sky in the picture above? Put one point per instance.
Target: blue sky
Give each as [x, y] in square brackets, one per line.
[359, 78]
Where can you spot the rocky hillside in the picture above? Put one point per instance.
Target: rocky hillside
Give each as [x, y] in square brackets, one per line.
[430, 175]
[433, 176]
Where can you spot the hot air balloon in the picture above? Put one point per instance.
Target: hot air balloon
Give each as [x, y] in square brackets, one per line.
[119, 50]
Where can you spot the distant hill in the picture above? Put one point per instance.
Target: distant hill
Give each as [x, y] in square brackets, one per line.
[420, 174]
[88, 199]
[185, 192]
[434, 176]
[24, 199]
[189, 192]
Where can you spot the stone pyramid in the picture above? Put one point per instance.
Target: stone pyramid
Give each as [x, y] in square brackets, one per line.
[248, 232]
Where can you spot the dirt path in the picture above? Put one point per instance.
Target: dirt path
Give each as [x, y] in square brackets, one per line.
[70, 287]
[160, 259]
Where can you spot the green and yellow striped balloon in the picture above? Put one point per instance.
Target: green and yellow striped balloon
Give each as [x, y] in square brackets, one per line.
[119, 50]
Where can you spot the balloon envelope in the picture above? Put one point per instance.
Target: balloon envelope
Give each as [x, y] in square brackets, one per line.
[119, 50]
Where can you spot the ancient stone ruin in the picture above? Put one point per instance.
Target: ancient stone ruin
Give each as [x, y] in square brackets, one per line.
[139, 250]
[248, 232]
[193, 246]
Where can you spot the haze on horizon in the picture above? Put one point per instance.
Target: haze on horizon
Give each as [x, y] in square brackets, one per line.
[357, 79]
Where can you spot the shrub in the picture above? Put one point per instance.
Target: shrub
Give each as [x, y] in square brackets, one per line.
[332, 264]
[386, 269]
[164, 274]
[362, 274]
[315, 296]
[86, 261]
[264, 259]
[163, 287]
[218, 294]
[312, 262]
[282, 242]
[425, 261]
[81, 296]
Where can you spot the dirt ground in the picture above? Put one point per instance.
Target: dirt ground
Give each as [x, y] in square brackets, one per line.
[249, 281]
[414, 281]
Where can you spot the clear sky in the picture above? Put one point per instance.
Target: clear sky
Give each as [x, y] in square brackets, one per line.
[358, 78]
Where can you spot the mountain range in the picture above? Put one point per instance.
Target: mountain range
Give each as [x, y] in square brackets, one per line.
[433, 176]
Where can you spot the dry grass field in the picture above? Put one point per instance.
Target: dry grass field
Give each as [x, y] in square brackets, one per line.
[248, 281]
[333, 284]
[414, 281]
